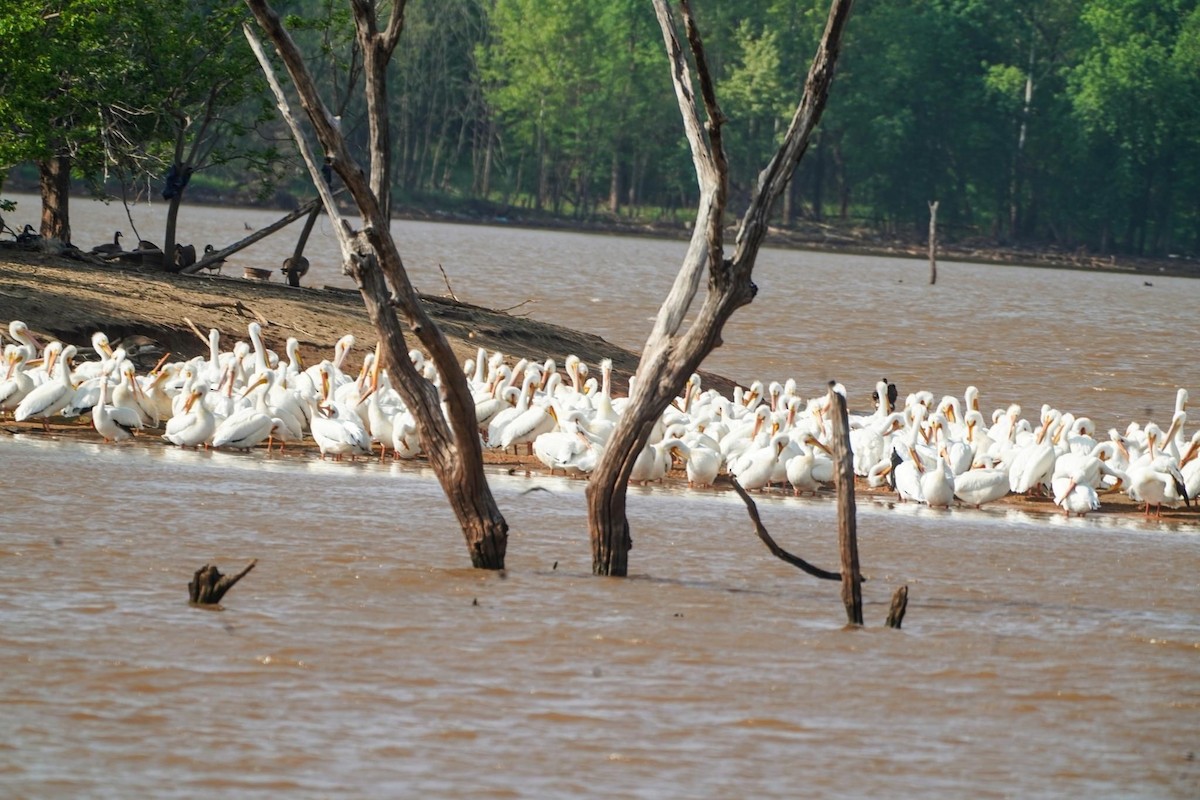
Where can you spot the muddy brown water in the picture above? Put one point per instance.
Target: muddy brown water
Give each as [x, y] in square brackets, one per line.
[1040, 657]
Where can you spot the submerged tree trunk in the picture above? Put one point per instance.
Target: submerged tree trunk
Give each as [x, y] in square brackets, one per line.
[54, 175]
[450, 437]
[672, 352]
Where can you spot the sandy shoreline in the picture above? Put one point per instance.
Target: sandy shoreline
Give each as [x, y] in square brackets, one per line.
[1111, 504]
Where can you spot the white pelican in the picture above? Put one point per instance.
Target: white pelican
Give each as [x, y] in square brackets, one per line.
[20, 333]
[405, 441]
[128, 394]
[1189, 466]
[500, 421]
[569, 448]
[1149, 484]
[249, 426]
[937, 484]
[754, 469]
[194, 427]
[338, 431]
[1073, 494]
[114, 423]
[51, 397]
[1033, 464]
[868, 444]
[981, 485]
[504, 397]
[703, 465]
[91, 369]
[654, 461]
[527, 426]
[17, 382]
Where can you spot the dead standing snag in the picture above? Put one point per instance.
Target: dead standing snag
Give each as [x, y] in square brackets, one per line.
[672, 351]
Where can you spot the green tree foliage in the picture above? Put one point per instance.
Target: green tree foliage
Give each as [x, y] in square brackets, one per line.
[1065, 122]
[1135, 92]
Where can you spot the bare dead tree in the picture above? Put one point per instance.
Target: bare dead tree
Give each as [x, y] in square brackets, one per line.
[371, 257]
[672, 352]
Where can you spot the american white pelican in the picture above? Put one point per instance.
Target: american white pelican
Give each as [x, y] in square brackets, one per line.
[868, 444]
[195, 425]
[569, 448]
[754, 469]
[21, 334]
[405, 441]
[937, 484]
[128, 394]
[1033, 465]
[113, 423]
[17, 382]
[249, 426]
[527, 426]
[1073, 495]
[703, 464]
[654, 461]
[800, 474]
[501, 420]
[1148, 484]
[51, 397]
[91, 369]
[981, 485]
[338, 431]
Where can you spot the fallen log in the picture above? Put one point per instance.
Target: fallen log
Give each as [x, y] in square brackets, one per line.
[262, 233]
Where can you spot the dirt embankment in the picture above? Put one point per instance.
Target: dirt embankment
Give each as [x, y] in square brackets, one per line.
[69, 300]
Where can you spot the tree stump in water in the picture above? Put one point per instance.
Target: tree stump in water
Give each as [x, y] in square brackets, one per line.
[895, 615]
[208, 585]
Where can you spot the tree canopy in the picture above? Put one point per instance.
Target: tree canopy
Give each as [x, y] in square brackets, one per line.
[1069, 122]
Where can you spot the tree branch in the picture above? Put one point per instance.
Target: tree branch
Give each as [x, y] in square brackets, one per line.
[775, 549]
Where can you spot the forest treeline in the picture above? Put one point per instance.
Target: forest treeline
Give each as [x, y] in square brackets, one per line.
[1070, 123]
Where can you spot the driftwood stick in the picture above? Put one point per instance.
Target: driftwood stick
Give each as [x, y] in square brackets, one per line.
[899, 605]
[208, 585]
[449, 288]
[843, 481]
[241, 308]
[196, 331]
[775, 549]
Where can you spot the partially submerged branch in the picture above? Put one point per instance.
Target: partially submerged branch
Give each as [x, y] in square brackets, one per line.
[208, 585]
[776, 550]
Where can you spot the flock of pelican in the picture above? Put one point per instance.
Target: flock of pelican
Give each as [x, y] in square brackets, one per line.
[926, 450]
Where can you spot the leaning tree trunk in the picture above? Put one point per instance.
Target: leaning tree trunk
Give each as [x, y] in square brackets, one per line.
[450, 438]
[54, 175]
[672, 353]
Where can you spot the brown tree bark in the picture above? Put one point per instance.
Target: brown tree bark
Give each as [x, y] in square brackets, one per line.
[673, 353]
[54, 175]
[843, 479]
[371, 257]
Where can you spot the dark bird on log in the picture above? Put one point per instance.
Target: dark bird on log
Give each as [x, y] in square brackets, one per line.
[294, 269]
[185, 255]
[216, 265]
[109, 248]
